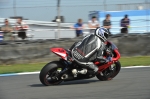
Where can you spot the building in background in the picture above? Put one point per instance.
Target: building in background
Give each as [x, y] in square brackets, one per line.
[46, 10]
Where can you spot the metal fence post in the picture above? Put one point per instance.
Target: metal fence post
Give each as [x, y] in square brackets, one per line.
[58, 18]
[56, 33]
[147, 15]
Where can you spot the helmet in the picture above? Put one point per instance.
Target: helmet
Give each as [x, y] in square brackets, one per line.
[102, 33]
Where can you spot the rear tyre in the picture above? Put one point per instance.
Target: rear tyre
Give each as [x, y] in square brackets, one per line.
[109, 74]
[48, 73]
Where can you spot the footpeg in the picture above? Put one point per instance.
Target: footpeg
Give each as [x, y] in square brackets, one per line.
[74, 72]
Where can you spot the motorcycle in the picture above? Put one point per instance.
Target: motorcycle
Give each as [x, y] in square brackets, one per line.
[66, 69]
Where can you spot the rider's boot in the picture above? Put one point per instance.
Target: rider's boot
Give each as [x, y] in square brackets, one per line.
[103, 60]
[93, 67]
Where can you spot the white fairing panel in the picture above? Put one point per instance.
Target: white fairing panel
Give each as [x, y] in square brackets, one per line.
[61, 54]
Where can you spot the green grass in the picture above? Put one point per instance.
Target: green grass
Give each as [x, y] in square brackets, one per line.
[125, 61]
[135, 61]
[16, 68]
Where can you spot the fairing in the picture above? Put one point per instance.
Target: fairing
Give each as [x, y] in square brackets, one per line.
[63, 54]
[60, 52]
[114, 59]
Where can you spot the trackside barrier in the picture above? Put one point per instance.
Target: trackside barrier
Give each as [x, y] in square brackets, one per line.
[55, 33]
[85, 31]
[1, 36]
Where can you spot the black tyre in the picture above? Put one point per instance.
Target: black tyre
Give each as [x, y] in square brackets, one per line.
[48, 73]
[109, 74]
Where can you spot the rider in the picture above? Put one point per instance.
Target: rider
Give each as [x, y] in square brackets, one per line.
[90, 48]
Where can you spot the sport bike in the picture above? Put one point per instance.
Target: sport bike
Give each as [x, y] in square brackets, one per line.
[66, 69]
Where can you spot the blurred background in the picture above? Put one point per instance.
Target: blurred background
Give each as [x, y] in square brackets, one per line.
[28, 28]
[71, 10]
[42, 15]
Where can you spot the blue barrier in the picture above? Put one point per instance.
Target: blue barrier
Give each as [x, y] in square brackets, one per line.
[1, 36]
[137, 18]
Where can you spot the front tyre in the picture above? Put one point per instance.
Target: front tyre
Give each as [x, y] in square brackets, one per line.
[109, 74]
[48, 73]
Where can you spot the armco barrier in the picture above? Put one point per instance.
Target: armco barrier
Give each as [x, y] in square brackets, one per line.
[39, 50]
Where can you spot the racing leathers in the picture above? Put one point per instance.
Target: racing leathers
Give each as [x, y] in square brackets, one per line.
[87, 50]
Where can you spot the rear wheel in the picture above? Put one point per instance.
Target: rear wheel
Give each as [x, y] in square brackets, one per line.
[48, 73]
[110, 72]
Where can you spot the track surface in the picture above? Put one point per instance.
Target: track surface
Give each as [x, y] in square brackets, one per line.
[131, 83]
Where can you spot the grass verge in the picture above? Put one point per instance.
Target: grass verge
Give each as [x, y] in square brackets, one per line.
[135, 61]
[125, 61]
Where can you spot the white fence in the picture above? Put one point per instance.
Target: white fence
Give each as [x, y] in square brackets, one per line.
[46, 33]
[64, 33]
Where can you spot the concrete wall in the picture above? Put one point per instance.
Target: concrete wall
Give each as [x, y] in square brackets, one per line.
[133, 44]
[38, 50]
[30, 51]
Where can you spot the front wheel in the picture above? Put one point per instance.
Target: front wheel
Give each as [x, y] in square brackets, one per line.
[48, 73]
[108, 74]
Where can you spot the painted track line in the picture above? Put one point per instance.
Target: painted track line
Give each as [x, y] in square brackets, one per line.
[135, 66]
[37, 72]
[23, 73]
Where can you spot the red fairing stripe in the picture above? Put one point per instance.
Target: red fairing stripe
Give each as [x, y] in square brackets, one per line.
[60, 52]
[117, 54]
[103, 67]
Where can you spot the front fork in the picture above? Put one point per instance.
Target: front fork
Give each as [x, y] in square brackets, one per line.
[106, 66]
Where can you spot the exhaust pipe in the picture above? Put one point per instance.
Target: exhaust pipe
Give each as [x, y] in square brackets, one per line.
[64, 76]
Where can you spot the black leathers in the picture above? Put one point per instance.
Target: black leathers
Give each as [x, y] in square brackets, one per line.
[88, 49]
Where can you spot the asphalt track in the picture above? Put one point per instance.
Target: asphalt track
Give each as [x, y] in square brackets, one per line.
[131, 83]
